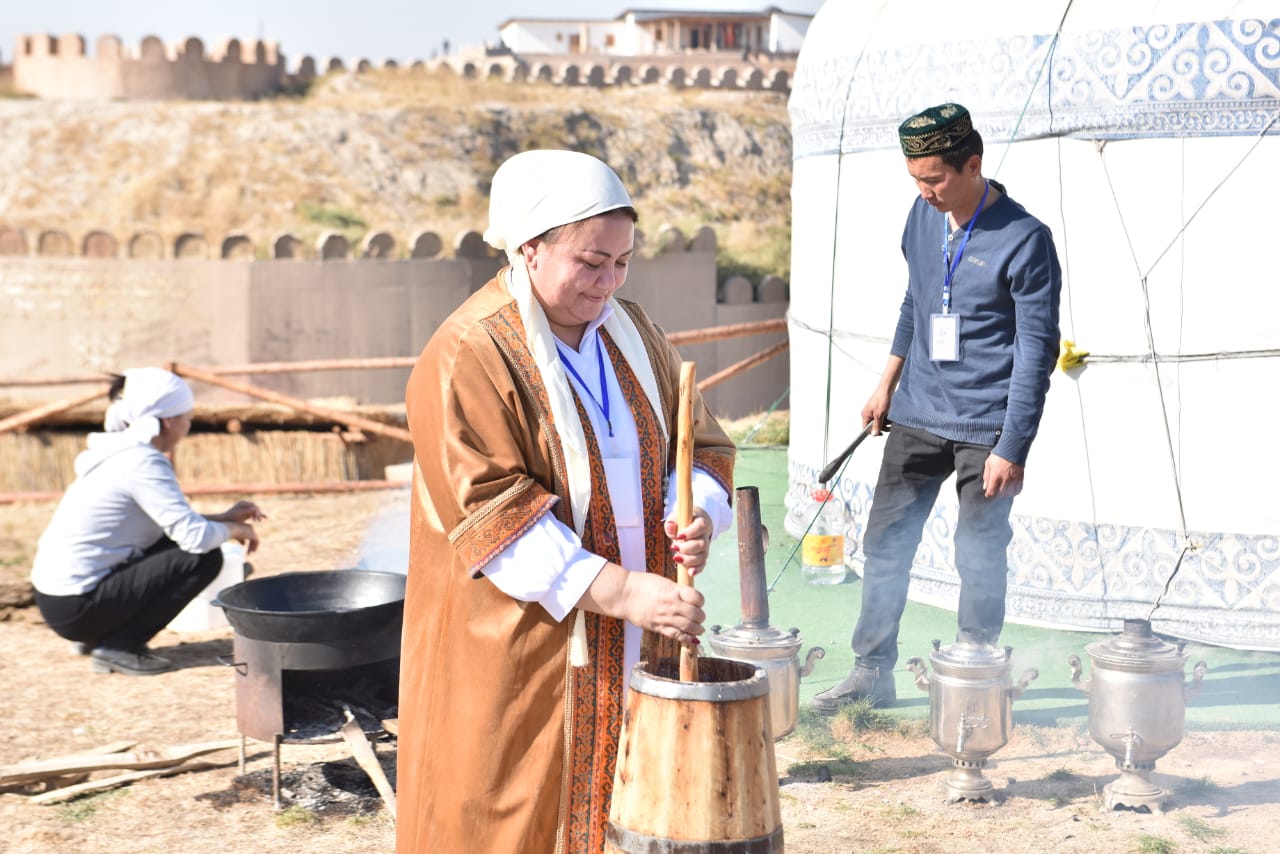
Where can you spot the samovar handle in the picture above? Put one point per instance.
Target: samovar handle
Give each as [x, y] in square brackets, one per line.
[814, 652]
[1023, 681]
[921, 670]
[1190, 692]
[1074, 661]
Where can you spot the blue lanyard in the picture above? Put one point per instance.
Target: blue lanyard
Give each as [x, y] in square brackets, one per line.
[950, 263]
[604, 387]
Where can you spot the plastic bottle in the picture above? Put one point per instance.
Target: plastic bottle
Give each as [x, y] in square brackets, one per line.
[822, 550]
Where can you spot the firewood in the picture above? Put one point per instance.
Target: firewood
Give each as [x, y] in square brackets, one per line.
[146, 759]
[59, 781]
[368, 760]
[69, 792]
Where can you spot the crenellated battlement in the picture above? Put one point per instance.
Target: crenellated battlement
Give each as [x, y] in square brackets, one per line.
[62, 67]
[100, 300]
[49, 66]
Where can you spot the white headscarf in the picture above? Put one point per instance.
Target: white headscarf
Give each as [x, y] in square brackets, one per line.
[149, 395]
[532, 193]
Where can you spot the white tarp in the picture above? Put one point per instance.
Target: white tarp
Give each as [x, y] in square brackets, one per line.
[1146, 136]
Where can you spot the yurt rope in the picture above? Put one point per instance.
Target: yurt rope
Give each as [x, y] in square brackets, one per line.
[1156, 359]
[831, 290]
[835, 231]
[1048, 60]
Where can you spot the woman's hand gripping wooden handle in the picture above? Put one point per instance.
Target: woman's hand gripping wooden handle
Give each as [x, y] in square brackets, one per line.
[684, 493]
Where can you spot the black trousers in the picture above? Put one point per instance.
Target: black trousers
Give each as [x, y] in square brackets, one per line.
[138, 599]
[914, 467]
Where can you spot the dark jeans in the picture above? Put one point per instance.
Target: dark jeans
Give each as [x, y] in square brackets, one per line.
[138, 599]
[915, 464]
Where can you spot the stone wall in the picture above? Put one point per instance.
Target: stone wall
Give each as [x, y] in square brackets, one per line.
[62, 67]
[98, 302]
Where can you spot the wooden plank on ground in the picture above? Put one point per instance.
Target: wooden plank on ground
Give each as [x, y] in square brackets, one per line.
[68, 792]
[137, 760]
[354, 735]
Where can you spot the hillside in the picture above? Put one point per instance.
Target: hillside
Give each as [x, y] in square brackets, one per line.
[398, 150]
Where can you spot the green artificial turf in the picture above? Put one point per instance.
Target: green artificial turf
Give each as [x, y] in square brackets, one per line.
[1240, 691]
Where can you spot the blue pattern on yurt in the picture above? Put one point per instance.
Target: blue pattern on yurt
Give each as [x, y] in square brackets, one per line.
[1200, 79]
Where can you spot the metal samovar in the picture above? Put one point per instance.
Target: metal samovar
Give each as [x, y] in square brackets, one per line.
[753, 640]
[970, 709]
[1137, 707]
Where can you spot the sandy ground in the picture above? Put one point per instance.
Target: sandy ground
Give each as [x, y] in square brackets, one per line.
[850, 790]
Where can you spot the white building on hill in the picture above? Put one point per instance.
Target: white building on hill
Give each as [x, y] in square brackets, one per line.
[643, 32]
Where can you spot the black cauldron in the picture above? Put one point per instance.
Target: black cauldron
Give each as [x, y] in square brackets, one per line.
[315, 607]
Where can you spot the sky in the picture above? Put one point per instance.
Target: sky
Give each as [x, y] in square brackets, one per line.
[377, 30]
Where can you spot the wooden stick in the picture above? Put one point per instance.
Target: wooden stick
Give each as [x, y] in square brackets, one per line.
[372, 363]
[684, 493]
[746, 364]
[732, 330]
[31, 416]
[355, 738]
[358, 422]
[68, 792]
[78, 776]
[165, 757]
[300, 487]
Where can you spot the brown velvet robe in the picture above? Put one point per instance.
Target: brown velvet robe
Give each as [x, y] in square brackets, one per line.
[504, 746]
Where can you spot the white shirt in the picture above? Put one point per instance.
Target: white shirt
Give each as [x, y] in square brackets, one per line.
[122, 503]
[548, 564]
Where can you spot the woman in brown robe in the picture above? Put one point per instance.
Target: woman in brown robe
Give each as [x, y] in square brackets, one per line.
[542, 555]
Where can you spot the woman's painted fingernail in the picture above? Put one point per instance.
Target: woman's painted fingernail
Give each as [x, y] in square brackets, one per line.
[678, 558]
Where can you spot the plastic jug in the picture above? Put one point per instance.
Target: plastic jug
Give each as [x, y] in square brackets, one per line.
[199, 615]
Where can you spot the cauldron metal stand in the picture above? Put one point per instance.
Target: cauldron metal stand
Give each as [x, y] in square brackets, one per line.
[261, 673]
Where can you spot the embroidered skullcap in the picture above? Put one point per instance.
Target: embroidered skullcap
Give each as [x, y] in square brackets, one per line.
[149, 395]
[934, 131]
[536, 191]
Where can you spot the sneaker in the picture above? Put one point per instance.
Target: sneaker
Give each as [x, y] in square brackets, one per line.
[864, 682]
[81, 648]
[139, 662]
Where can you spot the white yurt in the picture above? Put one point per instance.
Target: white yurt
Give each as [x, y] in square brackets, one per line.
[1146, 135]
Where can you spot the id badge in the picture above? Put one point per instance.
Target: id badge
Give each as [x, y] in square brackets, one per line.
[622, 472]
[944, 337]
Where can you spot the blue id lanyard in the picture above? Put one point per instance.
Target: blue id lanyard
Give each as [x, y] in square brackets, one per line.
[953, 263]
[604, 387]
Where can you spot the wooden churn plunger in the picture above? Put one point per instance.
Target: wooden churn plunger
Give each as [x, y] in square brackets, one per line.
[696, 772]
[684, 493]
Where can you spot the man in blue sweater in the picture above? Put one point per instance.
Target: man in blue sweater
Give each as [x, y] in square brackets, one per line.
[964, 388]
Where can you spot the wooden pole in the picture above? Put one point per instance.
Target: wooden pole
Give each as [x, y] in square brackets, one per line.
[31, 416]
[286, 488]
[746, 364]
[680, 338]
[684, 493]
[732, 330]
[358, 422]
[377, 362]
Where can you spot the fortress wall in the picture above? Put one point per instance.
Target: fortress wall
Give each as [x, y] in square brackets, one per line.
[80, 315]
[50, 66]
[62, 67]
[69, 315]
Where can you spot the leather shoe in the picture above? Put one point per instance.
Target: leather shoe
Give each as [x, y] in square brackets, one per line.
[131, 662]
[864, 682]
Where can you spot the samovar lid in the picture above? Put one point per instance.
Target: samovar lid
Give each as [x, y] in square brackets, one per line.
[756, 642]
[974, 659]
[1137, 648]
